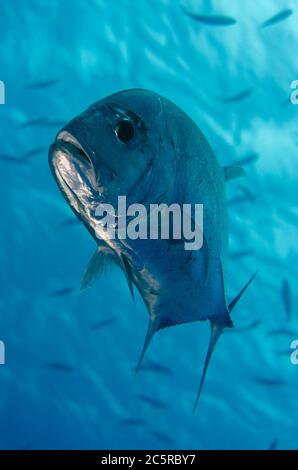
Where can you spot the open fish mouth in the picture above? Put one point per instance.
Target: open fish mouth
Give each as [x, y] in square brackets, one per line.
[68, 140]
[74, 172]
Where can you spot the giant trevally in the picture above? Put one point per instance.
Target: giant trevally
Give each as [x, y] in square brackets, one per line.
[139, 144]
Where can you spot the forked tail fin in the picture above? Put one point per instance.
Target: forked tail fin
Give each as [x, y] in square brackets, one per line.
[150, 332]
[216, 331]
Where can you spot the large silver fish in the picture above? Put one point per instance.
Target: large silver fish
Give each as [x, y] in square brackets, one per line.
[138, 144]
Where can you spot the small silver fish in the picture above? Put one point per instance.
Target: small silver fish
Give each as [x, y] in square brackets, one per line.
[240, 254]
[210, 20]
[42, 84]
[249, 327]
[280, 16]
[270, 382]
[251, 158]
[62, 292]
[60, 366]
[238, 96]
[103, 323]
[281, 332]
[32, 123]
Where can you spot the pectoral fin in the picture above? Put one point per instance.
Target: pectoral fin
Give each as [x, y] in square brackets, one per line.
[97, 265]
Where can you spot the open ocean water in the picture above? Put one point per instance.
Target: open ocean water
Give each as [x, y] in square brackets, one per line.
[68, 381]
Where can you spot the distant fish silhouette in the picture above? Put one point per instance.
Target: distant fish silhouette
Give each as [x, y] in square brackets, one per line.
[103, 323]
[162, 437]
[238, 97]
[283, 352]
[12, 159]
[132, 422]
[70, 221]
[273, 444]
[287, 297]
[151, 401]
[240, 254]
[248, 193]
[26, 446]
[60, 366]
[281, 332]
[247, 196]
[42, 84]
[210, 20]
[251, 158]
[286, 102]
[250, 326]
[32, 123]
[281, 16]
[55, 124]
[152, 366]
[32, 153]
[61, 292]
[237, 200]
[270, 382]
[24, 159]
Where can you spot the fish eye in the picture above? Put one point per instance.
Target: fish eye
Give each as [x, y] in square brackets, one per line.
[125, 131]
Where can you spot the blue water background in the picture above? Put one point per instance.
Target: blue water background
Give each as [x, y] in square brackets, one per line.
[94, 48]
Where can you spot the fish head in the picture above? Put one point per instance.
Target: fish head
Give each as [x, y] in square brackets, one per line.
[120, 146]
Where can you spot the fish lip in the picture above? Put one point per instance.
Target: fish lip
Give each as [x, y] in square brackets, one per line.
[68, 139]
[68, 144]
[84, 152]
[62, 183]
[66, 188]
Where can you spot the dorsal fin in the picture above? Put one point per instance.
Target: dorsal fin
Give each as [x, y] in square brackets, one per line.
[232, 172]
[239, 295]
